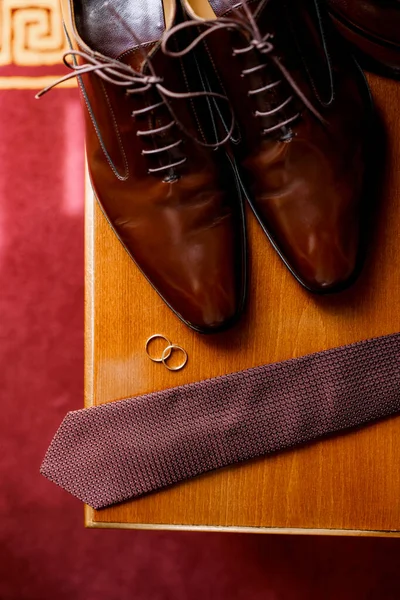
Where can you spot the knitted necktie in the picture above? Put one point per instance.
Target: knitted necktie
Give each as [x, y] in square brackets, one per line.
[121, 450]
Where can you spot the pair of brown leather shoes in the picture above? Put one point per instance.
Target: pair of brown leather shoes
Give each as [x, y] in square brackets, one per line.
[165, 87]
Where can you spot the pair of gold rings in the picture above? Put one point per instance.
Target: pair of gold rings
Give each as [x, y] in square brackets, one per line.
[167, 352]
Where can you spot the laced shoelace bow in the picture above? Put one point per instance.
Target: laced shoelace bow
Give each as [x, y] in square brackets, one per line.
[246, 24]
[117, 73]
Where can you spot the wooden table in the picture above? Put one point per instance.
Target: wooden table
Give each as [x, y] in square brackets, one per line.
[349, 484]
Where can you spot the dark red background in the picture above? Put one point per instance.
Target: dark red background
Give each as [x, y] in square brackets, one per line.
[46, 553]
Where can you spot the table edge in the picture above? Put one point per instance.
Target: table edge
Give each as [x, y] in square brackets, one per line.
[92, 524]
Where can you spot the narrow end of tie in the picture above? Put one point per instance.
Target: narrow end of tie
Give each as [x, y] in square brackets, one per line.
[65, 462]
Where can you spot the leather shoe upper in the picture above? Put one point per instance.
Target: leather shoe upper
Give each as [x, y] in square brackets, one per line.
[373, 27]
[174, 203]
[304, 112]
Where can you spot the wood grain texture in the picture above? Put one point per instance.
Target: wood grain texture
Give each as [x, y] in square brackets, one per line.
[349, 482]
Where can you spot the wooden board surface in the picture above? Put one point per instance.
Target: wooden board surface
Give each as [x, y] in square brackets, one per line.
[348, 483]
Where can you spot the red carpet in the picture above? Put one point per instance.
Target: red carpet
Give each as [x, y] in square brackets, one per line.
[45, 552]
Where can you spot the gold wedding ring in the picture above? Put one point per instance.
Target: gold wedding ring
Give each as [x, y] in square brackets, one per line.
[155, 358]
[167, 353]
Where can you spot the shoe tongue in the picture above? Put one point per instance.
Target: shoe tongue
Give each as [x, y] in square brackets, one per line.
[116, 30]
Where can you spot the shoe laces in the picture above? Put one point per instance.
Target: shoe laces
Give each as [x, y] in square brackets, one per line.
[245, 23]
[134, 82]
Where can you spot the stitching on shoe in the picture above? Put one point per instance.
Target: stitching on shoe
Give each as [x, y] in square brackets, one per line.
[191, 99]
[95, 125]
[116, 131]
[311, 78]
[208, 101]
[99, 136]
[235, 140]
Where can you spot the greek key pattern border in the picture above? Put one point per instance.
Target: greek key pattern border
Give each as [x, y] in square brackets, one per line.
[31, 35]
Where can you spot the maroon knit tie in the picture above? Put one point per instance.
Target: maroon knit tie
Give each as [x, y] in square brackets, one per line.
[124, 449]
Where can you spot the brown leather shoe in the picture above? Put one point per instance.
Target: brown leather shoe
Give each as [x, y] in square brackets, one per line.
[304, 112]
[173, 201]
[373, 29]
